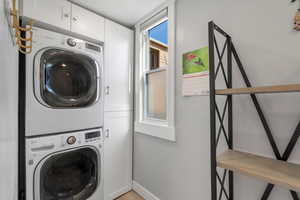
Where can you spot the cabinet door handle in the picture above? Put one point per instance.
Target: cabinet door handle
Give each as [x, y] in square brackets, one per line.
[74, 19]
[64, 14]
[107, 133]
[107, 90]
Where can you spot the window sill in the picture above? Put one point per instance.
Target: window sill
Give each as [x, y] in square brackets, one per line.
[156, 130]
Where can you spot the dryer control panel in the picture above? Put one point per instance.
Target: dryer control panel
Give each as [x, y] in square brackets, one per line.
[83, 45]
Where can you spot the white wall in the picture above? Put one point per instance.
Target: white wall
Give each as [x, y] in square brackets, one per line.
[269, 48]
[8, 112]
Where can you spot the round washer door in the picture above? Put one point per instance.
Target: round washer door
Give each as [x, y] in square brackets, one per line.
[69, 175]
[67, 79]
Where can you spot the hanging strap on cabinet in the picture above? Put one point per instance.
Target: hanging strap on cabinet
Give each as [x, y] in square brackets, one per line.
[24, 43]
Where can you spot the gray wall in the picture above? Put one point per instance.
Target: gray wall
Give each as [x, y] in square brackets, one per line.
[8, 112]
[263, 35]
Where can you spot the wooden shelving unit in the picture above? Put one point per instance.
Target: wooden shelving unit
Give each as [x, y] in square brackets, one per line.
[260, 90]
[275, 171]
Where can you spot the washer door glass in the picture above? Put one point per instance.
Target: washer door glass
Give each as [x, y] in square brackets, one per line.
[68, 79]
[70, 175]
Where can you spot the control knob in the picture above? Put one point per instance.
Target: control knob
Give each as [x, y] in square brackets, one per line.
[71, 42]
[71, 140]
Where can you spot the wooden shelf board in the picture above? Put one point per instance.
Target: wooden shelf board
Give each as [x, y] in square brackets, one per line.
[260, 90]
[273, 171]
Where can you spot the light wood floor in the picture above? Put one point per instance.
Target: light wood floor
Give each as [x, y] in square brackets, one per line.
[130, 196]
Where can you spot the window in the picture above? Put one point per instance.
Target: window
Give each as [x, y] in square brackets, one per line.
[155, 71]
[155, 98]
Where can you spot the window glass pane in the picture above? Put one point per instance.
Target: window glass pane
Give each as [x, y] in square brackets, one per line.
[159, 45]
[156, 95]
[160, 32]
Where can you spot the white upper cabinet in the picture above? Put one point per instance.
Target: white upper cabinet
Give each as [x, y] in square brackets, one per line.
[118, 67]
[65, 15]
[87, 23]
[54, 12]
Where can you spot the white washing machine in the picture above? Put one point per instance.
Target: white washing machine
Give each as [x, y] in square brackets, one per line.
[65, 167]
[64, 84]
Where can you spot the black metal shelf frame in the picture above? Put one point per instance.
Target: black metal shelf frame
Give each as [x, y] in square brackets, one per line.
[228, 189]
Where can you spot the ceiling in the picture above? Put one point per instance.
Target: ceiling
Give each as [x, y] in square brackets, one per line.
[126, 12]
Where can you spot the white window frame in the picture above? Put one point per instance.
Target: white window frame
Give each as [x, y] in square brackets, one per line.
[164, 129]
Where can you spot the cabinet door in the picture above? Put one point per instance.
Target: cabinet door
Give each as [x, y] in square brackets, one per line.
[118, 67]
[117, 154]
[54, 12]
[87, 23]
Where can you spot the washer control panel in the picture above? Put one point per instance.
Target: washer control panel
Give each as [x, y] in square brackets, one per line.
[39, 147]
[86, 137]
[45, 144]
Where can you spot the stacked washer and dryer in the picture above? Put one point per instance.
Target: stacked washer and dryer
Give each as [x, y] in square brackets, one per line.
[64, 118]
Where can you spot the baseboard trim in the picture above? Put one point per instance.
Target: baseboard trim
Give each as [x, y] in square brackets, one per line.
[143, 192]
[120, 192]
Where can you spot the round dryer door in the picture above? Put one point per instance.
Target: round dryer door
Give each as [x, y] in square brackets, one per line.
[68, 79]
[70, 175]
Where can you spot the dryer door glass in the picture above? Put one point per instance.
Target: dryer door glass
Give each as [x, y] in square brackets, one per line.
[68, 79]
[70, 175]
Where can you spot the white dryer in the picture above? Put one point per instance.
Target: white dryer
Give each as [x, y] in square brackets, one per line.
[64, 84]
[65, 166]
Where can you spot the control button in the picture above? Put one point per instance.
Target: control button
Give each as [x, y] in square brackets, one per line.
[71, 140]
[30, 162]
[71, 42]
